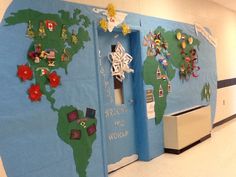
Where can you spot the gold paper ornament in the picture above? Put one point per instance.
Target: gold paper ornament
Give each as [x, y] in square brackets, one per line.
[183, 44]
[178, 35]
[190, 40]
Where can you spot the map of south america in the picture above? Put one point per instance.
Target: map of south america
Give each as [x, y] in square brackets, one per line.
[56, 38]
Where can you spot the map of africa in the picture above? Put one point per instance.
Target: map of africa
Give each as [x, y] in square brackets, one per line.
[165, 54]
[58, 36]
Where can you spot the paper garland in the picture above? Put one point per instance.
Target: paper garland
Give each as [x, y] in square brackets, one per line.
[120, 61]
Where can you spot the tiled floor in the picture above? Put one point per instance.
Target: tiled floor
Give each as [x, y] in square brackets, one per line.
[215, 157]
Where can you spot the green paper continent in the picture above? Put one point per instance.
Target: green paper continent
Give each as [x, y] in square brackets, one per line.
[151, 64]
[81, 148]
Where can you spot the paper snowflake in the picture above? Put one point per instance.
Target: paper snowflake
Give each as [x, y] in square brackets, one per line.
[120, 62]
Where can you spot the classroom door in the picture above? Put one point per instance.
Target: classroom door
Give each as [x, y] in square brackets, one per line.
[118, 104]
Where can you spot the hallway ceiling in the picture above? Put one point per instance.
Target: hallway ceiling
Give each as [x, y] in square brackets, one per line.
[230, 4]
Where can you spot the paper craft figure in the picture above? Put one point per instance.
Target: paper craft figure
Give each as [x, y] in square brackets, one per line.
[120, 62]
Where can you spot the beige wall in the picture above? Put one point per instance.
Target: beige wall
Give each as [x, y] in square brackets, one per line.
[221, 22]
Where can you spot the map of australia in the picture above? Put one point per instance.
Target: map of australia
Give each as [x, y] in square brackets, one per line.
[56, 38]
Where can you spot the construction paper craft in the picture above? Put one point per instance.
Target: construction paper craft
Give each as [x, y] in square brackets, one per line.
[75, 134]
[91, 129]
[113, 19]
[188, 66]
[35, 93]
[30, 31]
[120, 62]
[206, 92]
[47, 54]
[64, 33]
[24, 72]
[73, 115]
[90, 113]
[74, 37]
[51, 25]
[162, 58]
[41, 31]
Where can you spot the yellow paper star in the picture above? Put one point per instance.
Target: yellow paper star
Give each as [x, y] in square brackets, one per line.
[125, 29]
[111, 11]
[103, 24]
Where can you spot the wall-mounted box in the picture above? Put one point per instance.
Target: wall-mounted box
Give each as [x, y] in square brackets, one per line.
[187, 128]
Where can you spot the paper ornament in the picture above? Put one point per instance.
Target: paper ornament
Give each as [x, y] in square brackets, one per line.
[161, 91]
[30, 31]
[169, 87]
[54, 79]
[41, 31]
[51, 25]
[74, 37]
[35, 93]
[43, 70]
[113, 19]
[125, 29]
[120, 62]
[206, 92]
[64, 32]
[24, 72]
[158, 73]
[75, 134]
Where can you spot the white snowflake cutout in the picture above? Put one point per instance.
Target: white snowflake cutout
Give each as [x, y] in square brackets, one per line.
[120, 62]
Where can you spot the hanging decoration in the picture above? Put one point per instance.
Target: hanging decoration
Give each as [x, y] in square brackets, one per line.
[113, 19]
[120, 61]
[188, 65]
[206, 92]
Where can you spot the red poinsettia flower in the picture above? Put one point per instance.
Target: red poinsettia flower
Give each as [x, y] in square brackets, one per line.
[54, 79]
[24, 72]
[34, 93]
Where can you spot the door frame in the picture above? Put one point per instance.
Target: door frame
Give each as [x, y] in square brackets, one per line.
[139, 109]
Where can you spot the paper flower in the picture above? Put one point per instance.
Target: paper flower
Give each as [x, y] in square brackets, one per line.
[24, 72]
[34, 93]
[111, 11]
[103, 24]
[54, 79]
[125, 29]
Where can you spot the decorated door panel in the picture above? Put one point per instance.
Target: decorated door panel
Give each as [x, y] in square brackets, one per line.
[117, 98]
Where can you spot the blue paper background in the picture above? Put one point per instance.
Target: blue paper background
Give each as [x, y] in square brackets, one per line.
[29, 144]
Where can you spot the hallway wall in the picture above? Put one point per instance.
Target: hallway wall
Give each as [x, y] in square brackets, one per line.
[221, 22]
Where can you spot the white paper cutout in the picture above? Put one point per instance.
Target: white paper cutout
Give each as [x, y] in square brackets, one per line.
[205, 33]
[112, 21]
[120, 62]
